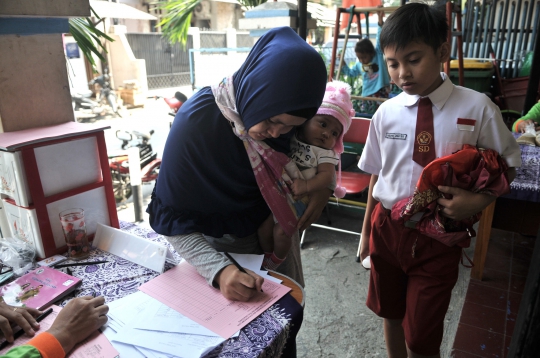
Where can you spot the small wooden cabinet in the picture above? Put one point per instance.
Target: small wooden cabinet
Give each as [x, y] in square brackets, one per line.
[56, 168]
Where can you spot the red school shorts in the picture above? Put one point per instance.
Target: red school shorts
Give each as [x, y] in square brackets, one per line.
[412, 277]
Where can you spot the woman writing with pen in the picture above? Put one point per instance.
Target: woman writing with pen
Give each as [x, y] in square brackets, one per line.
[228, 143]
[80, 318]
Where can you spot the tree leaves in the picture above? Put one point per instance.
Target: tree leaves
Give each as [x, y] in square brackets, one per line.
[89, 37]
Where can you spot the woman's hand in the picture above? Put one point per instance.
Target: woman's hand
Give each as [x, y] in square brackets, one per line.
[317, 202]
[81, 317]
[236, 285]
[522, 125]
[463, 203]
[299, 187]
[20, 316]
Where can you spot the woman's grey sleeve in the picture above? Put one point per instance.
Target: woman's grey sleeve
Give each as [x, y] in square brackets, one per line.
[200, 254]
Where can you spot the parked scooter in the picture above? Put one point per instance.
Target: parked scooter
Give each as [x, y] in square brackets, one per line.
[106, 98]
[106, 93]
[119, 164]
[175, 102]
[82, 100]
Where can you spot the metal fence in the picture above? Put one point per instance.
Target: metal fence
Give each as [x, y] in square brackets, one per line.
[213, 39]
[505, 29]
[166, 65]
[244, 40]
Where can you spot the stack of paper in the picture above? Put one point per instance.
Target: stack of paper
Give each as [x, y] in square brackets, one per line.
[178, 314]
[141, 326]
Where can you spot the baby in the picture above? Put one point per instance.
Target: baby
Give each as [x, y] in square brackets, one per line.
[316, 150]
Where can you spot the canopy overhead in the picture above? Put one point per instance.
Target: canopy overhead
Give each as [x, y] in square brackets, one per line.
[119, 11]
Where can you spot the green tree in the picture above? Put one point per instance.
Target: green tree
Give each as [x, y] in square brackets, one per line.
[177, 19]
[89, 37]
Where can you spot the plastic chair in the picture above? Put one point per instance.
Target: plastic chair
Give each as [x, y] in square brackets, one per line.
[354, 182]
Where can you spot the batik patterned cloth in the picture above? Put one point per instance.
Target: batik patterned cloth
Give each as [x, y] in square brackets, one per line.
[271, 334]
[526, 185]
[477, 170]
[273, 170]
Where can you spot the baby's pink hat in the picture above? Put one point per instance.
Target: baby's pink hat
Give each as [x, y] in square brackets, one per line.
[337, 103]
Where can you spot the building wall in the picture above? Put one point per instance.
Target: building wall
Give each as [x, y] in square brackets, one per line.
[224, 16]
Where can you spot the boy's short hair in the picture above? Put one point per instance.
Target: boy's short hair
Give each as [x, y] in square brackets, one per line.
[415, 22]
[364, 46]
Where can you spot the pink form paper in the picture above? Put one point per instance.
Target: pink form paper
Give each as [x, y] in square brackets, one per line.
[184, 290]
[95, 346]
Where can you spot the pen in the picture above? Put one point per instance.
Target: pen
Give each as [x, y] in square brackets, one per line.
[80, 264]
[237, 264]
[20, 332]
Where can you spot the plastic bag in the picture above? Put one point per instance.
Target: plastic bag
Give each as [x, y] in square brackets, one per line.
[529, 137]
[17, 254]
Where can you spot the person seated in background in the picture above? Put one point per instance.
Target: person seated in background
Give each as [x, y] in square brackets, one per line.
[81, 317]
[532, 117]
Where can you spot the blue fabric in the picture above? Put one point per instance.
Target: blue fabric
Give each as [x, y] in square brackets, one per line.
[371, 83]
[205, 182]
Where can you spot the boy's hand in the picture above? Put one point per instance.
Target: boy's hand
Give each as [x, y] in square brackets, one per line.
[463, 203]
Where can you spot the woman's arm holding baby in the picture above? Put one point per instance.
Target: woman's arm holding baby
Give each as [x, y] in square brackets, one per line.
[326, 173]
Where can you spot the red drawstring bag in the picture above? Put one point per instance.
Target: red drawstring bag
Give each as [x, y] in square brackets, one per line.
[477, 170]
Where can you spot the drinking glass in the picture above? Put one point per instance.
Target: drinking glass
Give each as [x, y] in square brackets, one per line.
[74, 229]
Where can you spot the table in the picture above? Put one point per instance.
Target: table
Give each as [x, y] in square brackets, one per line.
[526, 186]
[272, 334]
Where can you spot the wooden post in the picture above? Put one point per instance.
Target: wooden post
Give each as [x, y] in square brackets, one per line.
[482, 241]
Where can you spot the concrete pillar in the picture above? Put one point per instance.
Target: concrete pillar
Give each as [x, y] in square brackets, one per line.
[35, 86]
[230, 39]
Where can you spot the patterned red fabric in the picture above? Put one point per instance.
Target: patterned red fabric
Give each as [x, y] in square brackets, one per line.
[477, 170]
[424, 139]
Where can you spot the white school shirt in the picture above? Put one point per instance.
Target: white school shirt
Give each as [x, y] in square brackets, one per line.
[460, 116]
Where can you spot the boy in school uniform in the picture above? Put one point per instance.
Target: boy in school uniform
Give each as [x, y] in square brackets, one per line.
[412, 275]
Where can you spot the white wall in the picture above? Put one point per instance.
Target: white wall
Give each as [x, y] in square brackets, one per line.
[206, 71]
[124, 65]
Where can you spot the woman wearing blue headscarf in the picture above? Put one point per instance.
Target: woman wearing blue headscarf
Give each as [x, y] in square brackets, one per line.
[214, 187]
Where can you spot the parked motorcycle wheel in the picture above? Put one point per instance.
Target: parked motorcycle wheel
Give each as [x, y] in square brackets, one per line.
[121, 186]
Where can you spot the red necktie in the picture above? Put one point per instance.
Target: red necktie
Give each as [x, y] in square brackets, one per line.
[424, 139]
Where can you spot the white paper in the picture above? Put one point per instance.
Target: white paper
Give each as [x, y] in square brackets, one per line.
[254, 263]
[159, 317]
[249, 261]
[170, 343]
[148, 353]
[129, 307]
[133, 248]
[125, 350]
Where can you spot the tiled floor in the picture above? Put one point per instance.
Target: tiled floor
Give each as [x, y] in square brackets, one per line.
[491, 305]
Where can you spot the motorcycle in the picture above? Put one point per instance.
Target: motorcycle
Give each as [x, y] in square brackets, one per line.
[105, 97]
[119, 165]
[174, 103]
[106, 93]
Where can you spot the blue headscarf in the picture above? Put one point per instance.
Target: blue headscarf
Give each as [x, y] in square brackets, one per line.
[206, 183]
